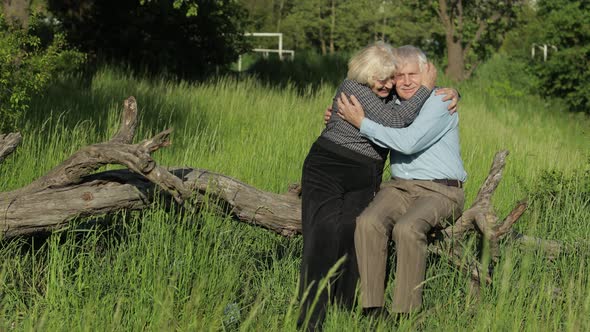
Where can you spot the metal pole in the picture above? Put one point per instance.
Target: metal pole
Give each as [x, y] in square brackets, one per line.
[544, 52]
[281, 46]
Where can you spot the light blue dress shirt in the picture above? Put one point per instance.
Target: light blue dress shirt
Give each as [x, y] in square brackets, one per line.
[428, 149]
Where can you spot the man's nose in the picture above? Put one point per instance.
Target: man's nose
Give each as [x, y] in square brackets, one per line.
[405, 80]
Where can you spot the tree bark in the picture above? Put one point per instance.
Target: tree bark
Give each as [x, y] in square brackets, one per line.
[332, 25]
[280, 14]
[451, 15]
[17, 12]
[40, 206]
[456, 64]
[452, 21]
[321, 30]
[8, 144]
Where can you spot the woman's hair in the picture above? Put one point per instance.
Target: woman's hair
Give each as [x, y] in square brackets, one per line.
[408, 53]
[374, 62]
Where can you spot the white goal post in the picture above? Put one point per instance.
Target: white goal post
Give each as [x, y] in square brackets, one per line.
[266, 51]
[542, 47]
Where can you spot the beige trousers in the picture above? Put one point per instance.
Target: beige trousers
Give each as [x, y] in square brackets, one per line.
[406, 210]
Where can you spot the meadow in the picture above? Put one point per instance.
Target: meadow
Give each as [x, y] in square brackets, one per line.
[170, 270]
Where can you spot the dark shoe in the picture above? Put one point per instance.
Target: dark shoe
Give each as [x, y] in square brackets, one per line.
[379, 313]
[397, 317]
[315, 321]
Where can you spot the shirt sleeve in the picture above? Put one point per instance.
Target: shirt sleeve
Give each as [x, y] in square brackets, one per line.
[390, 114]
[432, 123]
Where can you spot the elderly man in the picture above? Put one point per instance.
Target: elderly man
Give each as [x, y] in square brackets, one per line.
[426, 189]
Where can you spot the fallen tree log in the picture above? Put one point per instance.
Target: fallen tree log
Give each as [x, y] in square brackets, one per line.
[40, 206]
[8, 144]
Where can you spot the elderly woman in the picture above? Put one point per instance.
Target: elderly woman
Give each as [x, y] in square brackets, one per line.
[341, 174]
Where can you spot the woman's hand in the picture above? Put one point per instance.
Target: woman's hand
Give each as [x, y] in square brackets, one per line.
[449, 94]
[350, 110]
[327, 115]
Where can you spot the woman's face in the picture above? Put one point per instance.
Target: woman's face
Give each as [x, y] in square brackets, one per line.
[382, 88]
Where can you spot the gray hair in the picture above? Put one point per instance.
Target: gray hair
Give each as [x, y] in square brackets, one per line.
[372, 63]
[408, 53]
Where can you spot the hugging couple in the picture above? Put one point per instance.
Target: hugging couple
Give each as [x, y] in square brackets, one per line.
[388, 104]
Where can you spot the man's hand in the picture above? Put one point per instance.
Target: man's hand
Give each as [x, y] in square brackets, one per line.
[350, 110]
[449, 94]
[429, 76]
[327, 115]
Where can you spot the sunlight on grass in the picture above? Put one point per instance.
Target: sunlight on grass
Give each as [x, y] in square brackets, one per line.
[169, 270]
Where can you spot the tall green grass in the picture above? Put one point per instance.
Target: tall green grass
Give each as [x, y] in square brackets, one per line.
[171, 270]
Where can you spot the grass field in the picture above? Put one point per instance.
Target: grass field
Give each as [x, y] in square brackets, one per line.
[159, 270]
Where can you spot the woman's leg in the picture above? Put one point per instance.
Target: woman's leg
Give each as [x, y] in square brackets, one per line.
[335, 190]
[321, 206]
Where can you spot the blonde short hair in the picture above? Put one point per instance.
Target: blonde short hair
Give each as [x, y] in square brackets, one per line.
[372, 63]
[410, 54]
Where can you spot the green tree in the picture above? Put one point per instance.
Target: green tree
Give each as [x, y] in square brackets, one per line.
[472, 30]
[187, 38]
[329, 26]
[564, 26]
[27, 66]
[566, 74]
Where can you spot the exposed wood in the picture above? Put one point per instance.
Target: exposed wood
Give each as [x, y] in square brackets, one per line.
[40, 205]
[511, 218]
[551, 247]
[111, 191]
[279, 213]
[9, 143]
[481, 217]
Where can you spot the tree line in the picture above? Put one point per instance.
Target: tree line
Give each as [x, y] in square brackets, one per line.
[462, 32]
[196, 38]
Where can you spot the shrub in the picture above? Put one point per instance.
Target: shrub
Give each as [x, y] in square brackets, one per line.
[564, 25]
[27, 66]
[555, 190]
[156, 37]
[308, 69]
[504, 76]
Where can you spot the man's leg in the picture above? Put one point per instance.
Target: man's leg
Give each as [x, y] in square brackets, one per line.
[372, 233]
[429, 209]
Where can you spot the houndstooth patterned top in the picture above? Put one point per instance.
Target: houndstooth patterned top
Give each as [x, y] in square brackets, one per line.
[388, 112]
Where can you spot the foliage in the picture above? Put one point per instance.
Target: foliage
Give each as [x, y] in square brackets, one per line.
[473, 30]
[308, 71]
[163, 269]
[312, 24]
[156, 36]
[329, 26]
[567, 73]
[505, 76]
[562, 198]
[556, 190]
[564, 26]
[190, 7]
[27, 65]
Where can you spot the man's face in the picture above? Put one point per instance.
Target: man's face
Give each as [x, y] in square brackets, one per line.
[408, 80]
[382, 88]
